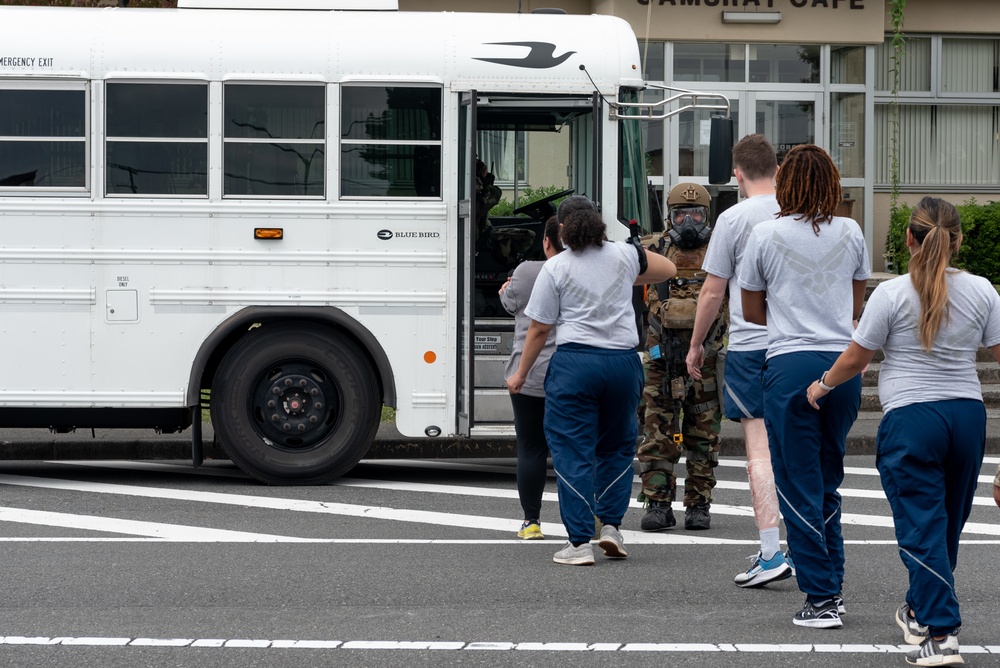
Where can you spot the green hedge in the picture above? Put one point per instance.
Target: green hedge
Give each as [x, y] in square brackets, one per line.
[980, 251]
[524, 197]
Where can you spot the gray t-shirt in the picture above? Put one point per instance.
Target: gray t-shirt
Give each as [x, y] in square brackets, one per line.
[514, 298]
[808, 281]
[723, 259]
[910, 374]
[588, 295]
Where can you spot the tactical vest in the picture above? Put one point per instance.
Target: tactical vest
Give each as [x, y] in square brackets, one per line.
[682, 293]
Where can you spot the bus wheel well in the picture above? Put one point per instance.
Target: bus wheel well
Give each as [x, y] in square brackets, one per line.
[231, 332]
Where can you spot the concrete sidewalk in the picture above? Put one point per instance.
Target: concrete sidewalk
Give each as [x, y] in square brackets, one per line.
[39, 444]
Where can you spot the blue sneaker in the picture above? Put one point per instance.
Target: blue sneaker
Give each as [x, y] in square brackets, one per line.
[788, 560]
[761, 572]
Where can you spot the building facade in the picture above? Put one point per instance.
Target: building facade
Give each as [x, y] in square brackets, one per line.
[809, 71]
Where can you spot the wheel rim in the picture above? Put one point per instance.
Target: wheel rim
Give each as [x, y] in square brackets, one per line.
[295, 405]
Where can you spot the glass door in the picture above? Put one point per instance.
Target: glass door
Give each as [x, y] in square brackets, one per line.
[787, 119]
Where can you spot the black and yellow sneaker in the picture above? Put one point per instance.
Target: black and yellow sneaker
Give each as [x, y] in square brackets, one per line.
[530, 530]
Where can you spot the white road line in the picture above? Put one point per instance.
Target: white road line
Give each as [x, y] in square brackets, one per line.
[371, 512]
[428, 517]
[493, 468]
[438, 645]
[846, 492]
[165, 532]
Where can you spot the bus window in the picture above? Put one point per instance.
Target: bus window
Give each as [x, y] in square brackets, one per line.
[43, 140]
[274, 140]
[157, 138]
[390, 141]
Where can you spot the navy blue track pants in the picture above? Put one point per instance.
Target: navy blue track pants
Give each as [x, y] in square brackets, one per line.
[591, 398]
[929, 456]
[807, 455]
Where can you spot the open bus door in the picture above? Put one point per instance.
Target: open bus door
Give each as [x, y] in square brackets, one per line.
[465, 362]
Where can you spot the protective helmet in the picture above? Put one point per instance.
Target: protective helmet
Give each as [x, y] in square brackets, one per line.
[688, 194]
[687, 215]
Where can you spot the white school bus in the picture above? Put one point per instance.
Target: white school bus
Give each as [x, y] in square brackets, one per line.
[273, 209]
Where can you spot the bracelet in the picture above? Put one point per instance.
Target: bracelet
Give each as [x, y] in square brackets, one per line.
[828, 388]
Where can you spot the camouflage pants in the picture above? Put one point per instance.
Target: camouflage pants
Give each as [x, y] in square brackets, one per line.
[701, 416]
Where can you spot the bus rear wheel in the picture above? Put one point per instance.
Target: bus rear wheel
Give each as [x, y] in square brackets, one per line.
[294, 403]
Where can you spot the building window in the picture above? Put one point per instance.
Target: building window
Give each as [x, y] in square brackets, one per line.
[43, 142]
[710, 62]
[274, 140]
[847, 65]
[949, 124]
[941, 145]
[784, 63]
[390, 141]
[969, 65]
[157, 139]
[505, 155]
[914, 68]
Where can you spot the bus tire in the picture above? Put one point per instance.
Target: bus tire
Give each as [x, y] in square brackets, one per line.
[295, 404]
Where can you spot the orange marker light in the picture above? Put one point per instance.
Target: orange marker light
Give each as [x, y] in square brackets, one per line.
[430, 357]
[268, 233]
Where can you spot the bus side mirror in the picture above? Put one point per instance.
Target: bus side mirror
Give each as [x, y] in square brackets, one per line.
[720, 150]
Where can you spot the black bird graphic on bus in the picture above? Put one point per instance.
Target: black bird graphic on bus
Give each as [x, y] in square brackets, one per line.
[542, 55]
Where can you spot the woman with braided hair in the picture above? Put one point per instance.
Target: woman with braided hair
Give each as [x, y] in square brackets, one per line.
[804, 276]
[930, 444]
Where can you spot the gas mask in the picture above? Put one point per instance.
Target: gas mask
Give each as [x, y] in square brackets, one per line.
[689, 227]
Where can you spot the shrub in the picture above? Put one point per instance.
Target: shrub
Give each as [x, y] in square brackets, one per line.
[980, 251]
[506, 208]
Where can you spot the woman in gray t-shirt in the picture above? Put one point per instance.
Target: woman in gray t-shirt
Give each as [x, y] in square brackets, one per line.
[930, 324]
[594, 378]
[529, 404]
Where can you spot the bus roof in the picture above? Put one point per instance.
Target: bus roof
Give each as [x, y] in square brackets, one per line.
[462, 51]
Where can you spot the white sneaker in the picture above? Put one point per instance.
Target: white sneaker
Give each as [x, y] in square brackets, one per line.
[611, 542]
[575, 556]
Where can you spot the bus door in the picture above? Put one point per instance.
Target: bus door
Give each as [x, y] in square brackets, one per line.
[466, 262]
[537, 149]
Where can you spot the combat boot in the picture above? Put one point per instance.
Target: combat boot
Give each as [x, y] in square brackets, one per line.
[696, 518]
[658, 517]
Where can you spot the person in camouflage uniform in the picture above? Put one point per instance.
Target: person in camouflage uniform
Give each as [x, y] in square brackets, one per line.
[681, 415]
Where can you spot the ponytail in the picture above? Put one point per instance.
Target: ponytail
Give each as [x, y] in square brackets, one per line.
[935, 226]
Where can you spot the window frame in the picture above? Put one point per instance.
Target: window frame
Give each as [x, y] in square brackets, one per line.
[933, 98]
[343, 141]
[109, 139]
[85, 139]
[321, 142]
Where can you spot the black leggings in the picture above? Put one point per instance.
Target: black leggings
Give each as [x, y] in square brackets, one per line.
[532, 452]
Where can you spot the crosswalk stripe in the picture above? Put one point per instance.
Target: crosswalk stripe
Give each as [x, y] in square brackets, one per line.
[439, 645]
[472, 491]
[189, 534]
[421, 516]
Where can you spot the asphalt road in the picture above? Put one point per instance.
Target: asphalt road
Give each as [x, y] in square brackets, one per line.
[121, 563]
